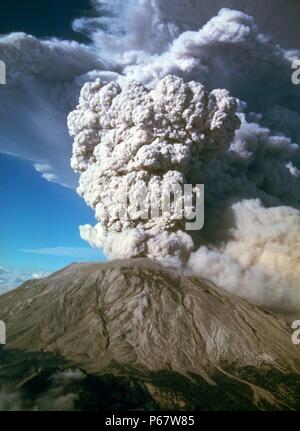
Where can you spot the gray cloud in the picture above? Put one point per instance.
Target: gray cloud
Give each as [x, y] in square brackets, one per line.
[43, 79]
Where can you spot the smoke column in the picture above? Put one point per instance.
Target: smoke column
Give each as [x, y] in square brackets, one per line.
[146, 140]
[166, 119]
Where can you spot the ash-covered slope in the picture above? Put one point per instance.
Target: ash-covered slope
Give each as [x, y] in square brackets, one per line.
[170, 341]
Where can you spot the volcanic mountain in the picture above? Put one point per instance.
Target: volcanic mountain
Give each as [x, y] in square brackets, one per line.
[133, 334]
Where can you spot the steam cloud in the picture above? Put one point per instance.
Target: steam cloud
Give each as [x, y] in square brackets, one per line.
[155, 115]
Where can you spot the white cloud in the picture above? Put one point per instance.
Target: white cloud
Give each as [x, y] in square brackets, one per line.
[11, 278]
[80, 253]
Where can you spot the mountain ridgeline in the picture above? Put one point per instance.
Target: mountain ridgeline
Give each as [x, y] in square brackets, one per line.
[132, 334]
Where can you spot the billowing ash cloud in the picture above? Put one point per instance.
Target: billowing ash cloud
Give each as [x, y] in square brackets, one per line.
[259, 258]
[250, 166]
[144, 140]
[145, 39]
[151, 25]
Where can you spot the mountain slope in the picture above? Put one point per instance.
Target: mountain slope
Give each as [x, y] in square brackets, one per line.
[182, 341]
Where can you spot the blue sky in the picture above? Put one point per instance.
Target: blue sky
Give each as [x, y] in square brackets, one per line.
[44, 18]
[41, 217]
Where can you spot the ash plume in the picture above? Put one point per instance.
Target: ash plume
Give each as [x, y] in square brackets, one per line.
[128, 134]
[249, 164]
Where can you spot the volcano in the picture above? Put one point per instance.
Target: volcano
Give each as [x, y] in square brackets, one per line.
[133, 334]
